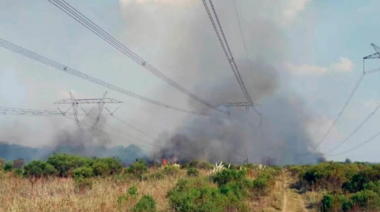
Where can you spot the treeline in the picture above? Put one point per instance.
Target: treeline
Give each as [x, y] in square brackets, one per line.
[11, 152]
[349, 186]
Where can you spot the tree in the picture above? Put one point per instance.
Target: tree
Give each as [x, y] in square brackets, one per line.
[35, 170]
[347, 160]
[65, 163]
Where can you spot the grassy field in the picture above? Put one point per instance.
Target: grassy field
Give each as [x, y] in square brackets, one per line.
[110, 193]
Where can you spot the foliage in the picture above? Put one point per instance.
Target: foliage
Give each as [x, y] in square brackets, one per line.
[138, 168]
[133, 191]
[146, 204]
[107, 166]
[83, 183]
[8, 167]
[83, 172]
[122, 199]
[157, 176]
[366, 199]
[170, 170]
[358, 181]
[38, 169]
[65, 163]
[192, 172]
[18, 172]
[196, 194]
[226, 176]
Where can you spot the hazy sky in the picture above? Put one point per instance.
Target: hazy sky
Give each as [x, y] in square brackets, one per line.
[321, 49]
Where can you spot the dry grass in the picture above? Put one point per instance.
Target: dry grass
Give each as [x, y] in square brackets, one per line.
[273, 202]
[312, 200]
[60, 194]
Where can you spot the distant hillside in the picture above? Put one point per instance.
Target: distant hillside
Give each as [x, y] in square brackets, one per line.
[125, 154]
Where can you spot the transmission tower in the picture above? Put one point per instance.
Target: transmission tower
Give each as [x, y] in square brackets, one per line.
[375, 55]
[247, 106]
[89, 133]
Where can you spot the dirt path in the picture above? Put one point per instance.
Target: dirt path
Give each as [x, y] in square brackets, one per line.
[285, 201]
[292, 202]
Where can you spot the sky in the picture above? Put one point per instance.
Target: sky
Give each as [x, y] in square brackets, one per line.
[317, 48]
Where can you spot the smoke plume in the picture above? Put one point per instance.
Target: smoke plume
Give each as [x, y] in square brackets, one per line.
[282, 137]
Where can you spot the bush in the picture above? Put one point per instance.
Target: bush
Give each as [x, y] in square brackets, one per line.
[65, 163]
[107, 166]
[83, 183]
[358, 181]
[37, 169]
[132, 191]
[8, 167]
[18, 172]
[367, 200]
[192, 172]
[170, 170]
[226, 176]
[327, 203]
[157, 176]
[101, 169]
[138, 168]
[146, 204]
[83, 172]
[196, 194]
[122, 199]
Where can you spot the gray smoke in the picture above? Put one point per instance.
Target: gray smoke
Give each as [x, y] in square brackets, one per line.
[283, 137]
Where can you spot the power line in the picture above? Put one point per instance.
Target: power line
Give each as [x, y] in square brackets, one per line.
[242, 35]
[341, 112]
[226, 48]
[83, 20]
[358, 146]
[66, 69]
[133, 127]
[356, 130]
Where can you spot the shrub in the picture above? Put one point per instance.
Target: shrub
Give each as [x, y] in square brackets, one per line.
[327, 203]
[83, 183]
[358, 181]
[101, 169]
[366, 199]
[196, 194]
[107, 166]
[65, 163]
[8, 167]
[227, 175]
[192, 172]
[18, 172]
[170, 170]
[157, 176]
[138, 168]
[83, 172]
[146, 204]
[37, 169]
[122, 199]
[132, 191]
